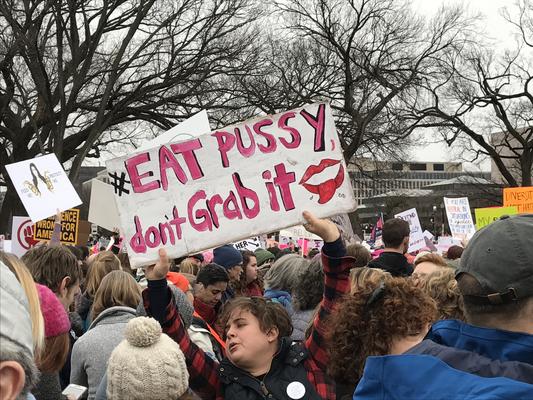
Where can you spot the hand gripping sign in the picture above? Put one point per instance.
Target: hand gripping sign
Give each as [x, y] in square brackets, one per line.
[237, 182]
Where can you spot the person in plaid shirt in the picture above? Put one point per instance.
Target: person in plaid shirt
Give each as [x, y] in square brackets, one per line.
[261, 361]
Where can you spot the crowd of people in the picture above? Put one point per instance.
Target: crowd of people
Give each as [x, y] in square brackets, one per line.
[271, 324]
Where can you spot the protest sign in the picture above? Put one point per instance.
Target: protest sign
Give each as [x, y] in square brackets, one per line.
[445, 242]
[240, 181]
[459, 217]
[297, 232]
[194, 126]
[22, 235]
[416, 237]
[103, 208]
[519, 197]
[250, 244]
[44, 229]
[43, 186]
[486, 216]
[428, 234]
[84, 230]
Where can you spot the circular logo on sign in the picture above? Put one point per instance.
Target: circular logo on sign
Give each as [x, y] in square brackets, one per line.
[25, 235]
[296, 390]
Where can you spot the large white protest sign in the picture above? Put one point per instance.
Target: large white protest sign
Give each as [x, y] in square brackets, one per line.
[416, 237]
[22, 235]
[237, 182]
[194, 126]
[459, 217]
[43, 186]
[103, 209]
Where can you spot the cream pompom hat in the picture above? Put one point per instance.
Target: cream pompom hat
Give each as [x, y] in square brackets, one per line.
[146, 365]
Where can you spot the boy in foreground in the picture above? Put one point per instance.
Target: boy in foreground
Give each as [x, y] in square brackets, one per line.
[261, 361]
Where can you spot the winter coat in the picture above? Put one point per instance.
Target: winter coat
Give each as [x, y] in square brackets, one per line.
[495, 344]
[300, 323]
[48, 387]
[392, 262]
[407, 376]
[92, 351]
[285, 380]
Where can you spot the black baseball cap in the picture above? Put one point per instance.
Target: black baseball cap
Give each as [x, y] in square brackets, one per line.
[500, 257]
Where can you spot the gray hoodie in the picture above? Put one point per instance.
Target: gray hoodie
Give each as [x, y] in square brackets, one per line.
[92, 351]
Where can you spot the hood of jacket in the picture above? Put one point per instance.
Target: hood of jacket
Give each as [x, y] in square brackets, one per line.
[114, 315]
[392, 262]
[474, 363]
[495, 344]
[426, 377]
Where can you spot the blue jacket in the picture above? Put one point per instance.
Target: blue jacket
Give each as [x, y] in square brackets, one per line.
[492, 343]
[414, 377]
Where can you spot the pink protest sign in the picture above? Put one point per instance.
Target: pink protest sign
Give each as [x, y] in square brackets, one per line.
[240, 181]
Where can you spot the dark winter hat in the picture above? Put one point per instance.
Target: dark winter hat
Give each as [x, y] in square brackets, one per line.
[500, 257]
[262, 256]
[227, 256]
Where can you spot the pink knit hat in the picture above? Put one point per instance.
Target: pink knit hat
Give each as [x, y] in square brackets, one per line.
[56, 320]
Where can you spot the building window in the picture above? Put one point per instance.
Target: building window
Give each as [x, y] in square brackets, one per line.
[417, 167]
[397, 166]
[438, 167]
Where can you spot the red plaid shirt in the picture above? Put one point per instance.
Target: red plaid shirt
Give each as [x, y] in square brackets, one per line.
[203, 370]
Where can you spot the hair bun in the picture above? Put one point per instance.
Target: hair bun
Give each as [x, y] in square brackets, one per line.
[142, 331]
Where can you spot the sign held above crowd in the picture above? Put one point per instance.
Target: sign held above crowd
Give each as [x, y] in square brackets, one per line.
[416, 236]
[43, 186]
[240, 181]
[519, 197]
[459, 217]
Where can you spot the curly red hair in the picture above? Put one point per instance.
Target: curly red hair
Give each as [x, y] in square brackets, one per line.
[358, 330]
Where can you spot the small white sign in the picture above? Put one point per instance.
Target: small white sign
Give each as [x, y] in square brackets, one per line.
[416, 237]
[251, 244]
[459, 217]
[43, 186]
[22, 236]
[103, 208]
[192, 127]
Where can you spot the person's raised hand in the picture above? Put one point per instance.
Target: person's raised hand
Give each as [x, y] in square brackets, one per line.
[324, 228]
[160, 269]
[59, 217]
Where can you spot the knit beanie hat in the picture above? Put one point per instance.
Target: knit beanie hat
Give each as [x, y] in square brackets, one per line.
[262, 256]
[227, 256]
[179, 281]
[185, 309]
[146, 365]
[56, 321]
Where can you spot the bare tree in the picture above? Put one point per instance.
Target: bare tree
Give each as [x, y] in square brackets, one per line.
[77, 73]
[363, 56]
[484, 102]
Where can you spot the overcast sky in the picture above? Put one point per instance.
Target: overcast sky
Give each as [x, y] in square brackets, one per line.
[500, 33]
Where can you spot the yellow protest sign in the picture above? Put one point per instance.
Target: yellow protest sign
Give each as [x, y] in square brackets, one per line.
[44, 229]
[486, 216]
[521, 197]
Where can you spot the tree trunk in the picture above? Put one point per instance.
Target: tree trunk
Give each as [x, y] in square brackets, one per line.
[10, 206]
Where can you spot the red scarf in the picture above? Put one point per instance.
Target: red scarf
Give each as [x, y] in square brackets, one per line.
[206, 312]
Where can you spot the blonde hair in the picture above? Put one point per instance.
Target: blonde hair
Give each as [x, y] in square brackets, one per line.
[189, 267]
[118, 288]
[360, 278]
[432, 258]
[28, 284]
[102, 264]
[442, 287]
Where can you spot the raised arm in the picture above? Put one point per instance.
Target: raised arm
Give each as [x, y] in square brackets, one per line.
[336, 282]
[56, 234]
[203, 370]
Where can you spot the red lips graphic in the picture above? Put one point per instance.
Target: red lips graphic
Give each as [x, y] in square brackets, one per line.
[326, 189]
